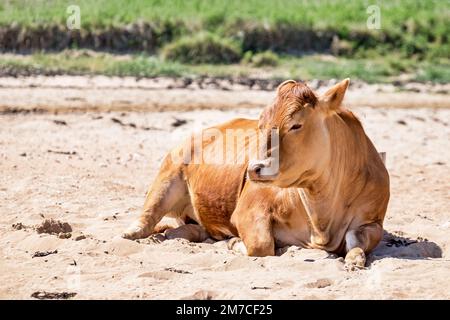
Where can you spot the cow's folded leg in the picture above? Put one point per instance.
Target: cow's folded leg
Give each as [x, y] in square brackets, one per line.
[359, 242]
[164, 194]
[168, 222]
[137, 230]
[191, 232]
[237, 245]
[255, 229]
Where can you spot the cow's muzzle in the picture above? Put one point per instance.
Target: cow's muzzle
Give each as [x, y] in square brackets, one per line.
[262, 170]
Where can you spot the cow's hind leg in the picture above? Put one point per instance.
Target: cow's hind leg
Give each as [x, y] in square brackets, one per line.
[359, 242]
[165, 195]
[169, 222]
[191, 232]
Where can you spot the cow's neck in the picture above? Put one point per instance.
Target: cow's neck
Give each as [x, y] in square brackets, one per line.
[329, 196]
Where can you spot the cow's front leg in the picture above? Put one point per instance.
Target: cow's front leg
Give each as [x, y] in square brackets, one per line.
[255, 230]
[237, 245]
[359, 242]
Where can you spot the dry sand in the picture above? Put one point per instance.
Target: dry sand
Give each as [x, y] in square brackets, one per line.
[97, 185]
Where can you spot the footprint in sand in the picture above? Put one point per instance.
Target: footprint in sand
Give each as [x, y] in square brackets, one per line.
[122, 247]
[166, 274]
[158, 275]
[235, 263]
[319, 284]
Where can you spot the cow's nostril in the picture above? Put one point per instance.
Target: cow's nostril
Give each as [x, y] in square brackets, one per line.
[255, 171]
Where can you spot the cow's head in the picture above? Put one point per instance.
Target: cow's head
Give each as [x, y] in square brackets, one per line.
[301, 146]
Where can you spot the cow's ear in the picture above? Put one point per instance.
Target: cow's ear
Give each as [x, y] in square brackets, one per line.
[332, 99]
[284, 83]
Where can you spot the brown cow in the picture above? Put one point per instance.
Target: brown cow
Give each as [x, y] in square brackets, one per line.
[329, 189]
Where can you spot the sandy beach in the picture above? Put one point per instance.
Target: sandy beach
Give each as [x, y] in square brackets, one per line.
[85, 155]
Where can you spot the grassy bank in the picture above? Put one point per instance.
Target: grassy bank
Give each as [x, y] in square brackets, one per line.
[311, 39]
[304, 68]
[334, 14]
[413, 28]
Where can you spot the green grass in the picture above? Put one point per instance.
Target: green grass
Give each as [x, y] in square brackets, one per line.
[213, 13]
[412, 26]
[261, 59]
[434, 73]
[80, 62]
[202, 48]
[413, 39]
[305, 68]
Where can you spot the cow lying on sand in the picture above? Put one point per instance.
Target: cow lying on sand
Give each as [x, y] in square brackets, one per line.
[330, 189]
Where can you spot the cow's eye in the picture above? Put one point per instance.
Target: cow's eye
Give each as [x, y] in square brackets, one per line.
[295, 127]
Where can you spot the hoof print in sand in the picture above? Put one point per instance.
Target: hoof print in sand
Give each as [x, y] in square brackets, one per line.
[319, 284]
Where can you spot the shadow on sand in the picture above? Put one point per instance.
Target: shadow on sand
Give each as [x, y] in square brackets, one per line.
[394, 245]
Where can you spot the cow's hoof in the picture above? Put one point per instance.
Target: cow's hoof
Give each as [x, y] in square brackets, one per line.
[135, 232]
[355, 260]
[237, 245]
